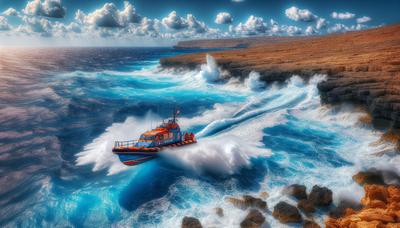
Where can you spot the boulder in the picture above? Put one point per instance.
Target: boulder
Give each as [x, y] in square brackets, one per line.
[306, 205]
[320, 196]
[310, 224]
[264, 195]
[297, 191]
[286, 213]
[368, 177]
[190, 222]
[254, 219]
[248, 201]
[219, 211]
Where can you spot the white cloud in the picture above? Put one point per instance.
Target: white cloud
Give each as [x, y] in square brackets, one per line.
[342, 16]
[310, 30]
[32, 25]
[292, 30]
[175, 22]
[129, 15]
[10, 12]
[48, 8]
[253, 26]
[297, 14]
[109, 16]
[238, 0]
[321, 23]
[363, 19]
[4, 26]
[195, 25]
[223, 18]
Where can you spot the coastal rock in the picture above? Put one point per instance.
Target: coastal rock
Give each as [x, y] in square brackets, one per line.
[219, 211]
[254, 219]
[190, 222]
[368, 177]
[264, 195]
[306, 205]
[297, 191]
[320, 196]
[381, 208]
[310, 224]
[286, 213]
[248, 201]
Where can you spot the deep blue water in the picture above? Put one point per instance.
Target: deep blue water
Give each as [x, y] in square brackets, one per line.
[62, 109]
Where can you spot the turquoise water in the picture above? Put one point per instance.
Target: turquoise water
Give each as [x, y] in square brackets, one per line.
[59, 120]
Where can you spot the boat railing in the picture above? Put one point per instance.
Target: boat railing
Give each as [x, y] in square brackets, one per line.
[125, 143]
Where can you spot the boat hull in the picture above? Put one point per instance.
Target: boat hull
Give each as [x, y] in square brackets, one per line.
[134, 155]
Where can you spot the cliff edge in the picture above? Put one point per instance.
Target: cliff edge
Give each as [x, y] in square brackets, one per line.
[363, 67]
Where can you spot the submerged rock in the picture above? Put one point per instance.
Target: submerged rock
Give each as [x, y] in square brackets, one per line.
[219, 211]
[264, 195]
[190, 222]
[286, 213]
[254, 219]
[306, 205]
[297, 191]
[248, 201]
[320, 196]
[310, 224]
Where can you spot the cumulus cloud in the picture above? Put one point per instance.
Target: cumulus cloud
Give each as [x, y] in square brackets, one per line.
[223, 18]
[4, 26]
[109, 16]
[10, 12]
[195, 25]
[35, 25]
[175, 22]
[253, 26]
[363, 19]
[297, 14]
[342, 16]
[310, 31]
[47, 8]
[321, 23]
[292, 30]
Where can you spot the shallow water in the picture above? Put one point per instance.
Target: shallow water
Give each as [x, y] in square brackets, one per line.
[62, 110]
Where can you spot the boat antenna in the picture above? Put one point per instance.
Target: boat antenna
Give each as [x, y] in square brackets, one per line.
[176, 112]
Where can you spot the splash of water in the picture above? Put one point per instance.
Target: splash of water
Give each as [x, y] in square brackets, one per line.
[209, 71]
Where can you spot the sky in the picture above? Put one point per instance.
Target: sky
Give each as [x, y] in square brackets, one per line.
[165, 22]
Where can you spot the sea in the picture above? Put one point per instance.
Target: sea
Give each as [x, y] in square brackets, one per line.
[61, 109]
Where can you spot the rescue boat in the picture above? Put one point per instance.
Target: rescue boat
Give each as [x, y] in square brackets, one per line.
[150, 143]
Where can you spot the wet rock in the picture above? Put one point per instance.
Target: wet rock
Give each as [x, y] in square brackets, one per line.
[286, 213]
[368, 177]
[264, 195]
[248, 201]
[297, 191]
[341, 208]
[253, 219]
[190, 222]
[219, 211]
[310, 224]
[306, 205]
[320, 196]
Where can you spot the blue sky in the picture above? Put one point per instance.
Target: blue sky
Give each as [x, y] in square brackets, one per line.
[164, 22]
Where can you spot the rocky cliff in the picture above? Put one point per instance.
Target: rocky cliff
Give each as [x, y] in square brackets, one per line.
[363, 67]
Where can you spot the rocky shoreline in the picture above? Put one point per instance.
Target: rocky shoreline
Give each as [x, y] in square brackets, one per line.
[362, 67]
[380, 206]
